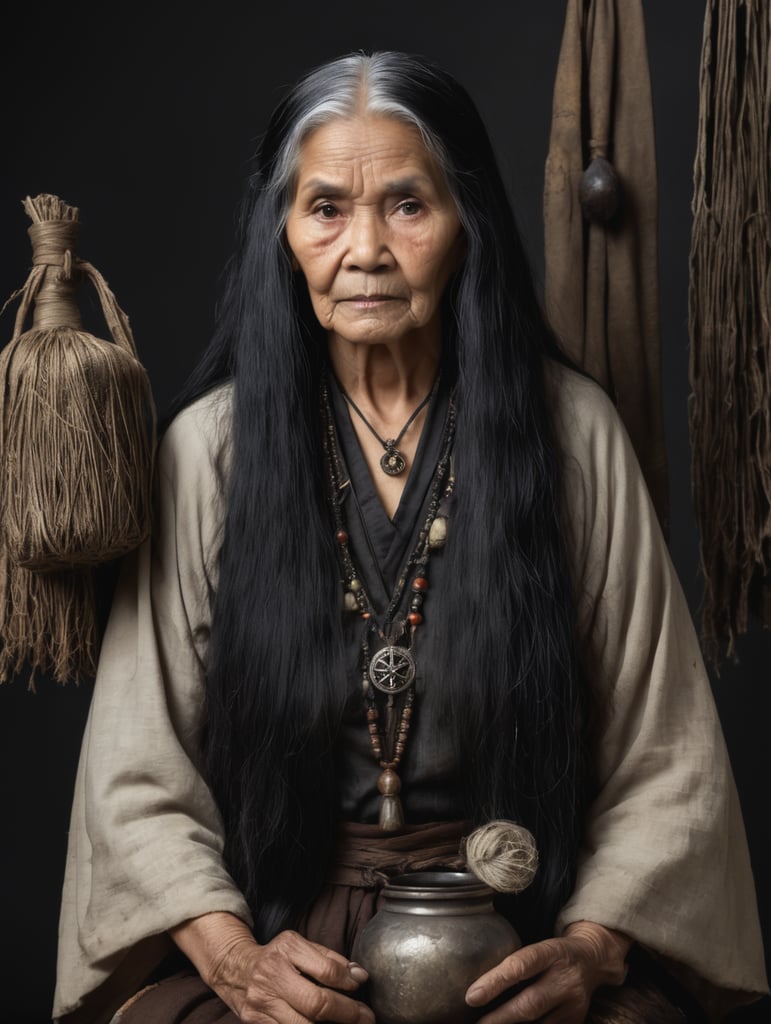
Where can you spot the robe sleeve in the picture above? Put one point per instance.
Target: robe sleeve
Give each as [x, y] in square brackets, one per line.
[664, 856]
[145, 844]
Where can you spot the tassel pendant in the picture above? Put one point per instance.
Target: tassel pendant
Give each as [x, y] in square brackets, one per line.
[391, 813]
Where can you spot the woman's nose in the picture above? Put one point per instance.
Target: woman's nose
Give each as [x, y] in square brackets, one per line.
[368, 248]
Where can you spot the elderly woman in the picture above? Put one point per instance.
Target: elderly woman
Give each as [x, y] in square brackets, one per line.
[405, 578]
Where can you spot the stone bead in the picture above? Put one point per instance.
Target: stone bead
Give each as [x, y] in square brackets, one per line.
[355, 585]
[599, 191]
[420, 583]
[414, 618]
[349, 602]
[437, 535]
[341, 537]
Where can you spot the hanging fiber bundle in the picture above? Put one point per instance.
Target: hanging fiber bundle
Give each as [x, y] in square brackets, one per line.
[77, 435]
[600, 208]
[49, 622]
[730, 321]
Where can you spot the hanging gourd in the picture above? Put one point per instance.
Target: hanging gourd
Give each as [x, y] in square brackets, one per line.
[77, 438]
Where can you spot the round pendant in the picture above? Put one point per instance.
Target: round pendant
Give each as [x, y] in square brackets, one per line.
[393, 462]
[392, 669]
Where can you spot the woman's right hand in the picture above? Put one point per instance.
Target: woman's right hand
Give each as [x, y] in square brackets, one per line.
[287, 981]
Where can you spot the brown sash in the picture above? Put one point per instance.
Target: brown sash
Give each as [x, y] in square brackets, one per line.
[364, 859]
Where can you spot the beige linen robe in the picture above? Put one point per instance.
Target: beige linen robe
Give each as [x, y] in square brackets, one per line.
[664, 857]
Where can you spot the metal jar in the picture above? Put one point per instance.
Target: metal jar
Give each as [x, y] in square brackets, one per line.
[434, 934]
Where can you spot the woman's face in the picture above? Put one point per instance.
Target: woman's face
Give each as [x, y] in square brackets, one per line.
[374, 230]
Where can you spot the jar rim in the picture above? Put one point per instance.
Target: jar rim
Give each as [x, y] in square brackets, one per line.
[437, 885]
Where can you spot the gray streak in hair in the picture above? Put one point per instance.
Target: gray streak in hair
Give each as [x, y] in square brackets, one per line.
[354, 84]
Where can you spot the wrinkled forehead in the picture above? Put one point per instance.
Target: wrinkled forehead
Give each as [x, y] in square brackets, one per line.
[346, 147]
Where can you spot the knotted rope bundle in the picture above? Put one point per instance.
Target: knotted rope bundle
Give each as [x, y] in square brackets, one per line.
[77, 435]
[730, 321]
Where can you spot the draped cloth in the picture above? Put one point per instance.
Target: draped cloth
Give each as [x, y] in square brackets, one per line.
[730, 321]
[601, 280]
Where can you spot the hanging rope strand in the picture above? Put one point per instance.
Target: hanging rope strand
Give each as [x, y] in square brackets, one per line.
[730, 322]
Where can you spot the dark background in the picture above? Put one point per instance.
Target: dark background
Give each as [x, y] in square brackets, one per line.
[146, 118]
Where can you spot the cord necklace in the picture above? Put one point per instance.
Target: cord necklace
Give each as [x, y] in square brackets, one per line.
[392, 461]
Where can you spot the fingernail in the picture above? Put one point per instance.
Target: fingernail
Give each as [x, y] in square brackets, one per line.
[475, 995]
[357, 972]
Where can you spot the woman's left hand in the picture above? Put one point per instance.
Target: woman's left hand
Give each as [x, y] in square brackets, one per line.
[562, 974]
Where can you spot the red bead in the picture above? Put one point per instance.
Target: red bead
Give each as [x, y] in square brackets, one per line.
[420, 583]
[415, 618]
[366, 615]
[341, 537]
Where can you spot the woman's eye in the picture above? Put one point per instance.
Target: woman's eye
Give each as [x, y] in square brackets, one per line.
[410, 207]
[326, 210]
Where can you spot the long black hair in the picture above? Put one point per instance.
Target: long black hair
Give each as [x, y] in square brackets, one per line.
[276, 679]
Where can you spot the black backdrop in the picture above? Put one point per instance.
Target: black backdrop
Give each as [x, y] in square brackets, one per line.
[146, 118]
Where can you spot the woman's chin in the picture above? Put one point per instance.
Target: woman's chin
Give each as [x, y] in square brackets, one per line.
[384, 330]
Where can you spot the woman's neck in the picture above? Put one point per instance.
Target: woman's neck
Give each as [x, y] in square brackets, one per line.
[386, 384]
[386, 381]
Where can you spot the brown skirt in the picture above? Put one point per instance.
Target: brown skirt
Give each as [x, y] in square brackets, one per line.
[365, 859]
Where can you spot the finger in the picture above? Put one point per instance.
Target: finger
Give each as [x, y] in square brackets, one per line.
[558, 996]
[542, 1007]
[301, 1002]
[320, 963]
[318, 1004]
[518, 1009]
[526, 963]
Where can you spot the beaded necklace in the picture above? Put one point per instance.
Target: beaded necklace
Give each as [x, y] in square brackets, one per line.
[387, 662]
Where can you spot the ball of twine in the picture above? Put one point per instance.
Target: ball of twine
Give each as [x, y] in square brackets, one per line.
[503, 855]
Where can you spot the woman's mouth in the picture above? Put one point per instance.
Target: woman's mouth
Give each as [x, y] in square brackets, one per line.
[369, 301]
